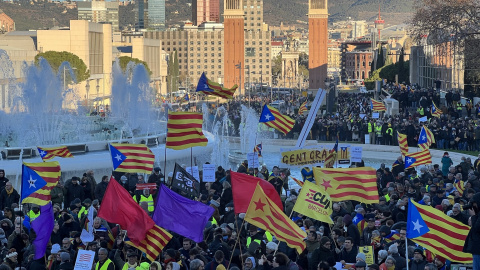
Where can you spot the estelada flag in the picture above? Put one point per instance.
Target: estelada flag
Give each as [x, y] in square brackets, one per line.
[133, 158]
[439, 233]
[377, 106]
[47, 153]
[359, 184]
[38, 180]
[209, 87]
[184, 130]
[118, 207]
[418, 158]
[313, 202]
[244, 185]
[265, 214]
[274, 119]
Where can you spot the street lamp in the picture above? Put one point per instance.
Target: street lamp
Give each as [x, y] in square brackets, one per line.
[87, 89]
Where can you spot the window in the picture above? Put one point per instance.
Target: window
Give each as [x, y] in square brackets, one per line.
[205, 60]
[219, 55]
[191, 48]
[219, 66]
[191, 60]
[212, 42]
[250, 52]
[198, 66]
[191, 72]
[198, 42]
[198, 55]
[180, 55]
[212, 60]
[198, 60]
[198, 72]
[205, 48]
[246, 60]
[191, 66]
[191, 42]
[213, 67]
[191, 55]
[174, 43]
[205, 54]
[205, 43]
[205, 67]
[212, 54]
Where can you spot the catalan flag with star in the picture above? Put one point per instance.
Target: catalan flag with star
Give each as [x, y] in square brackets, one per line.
[377, 106]
[331, 157]
[418, 158]
[47, 153]
[38, 180]
[436, 112]
[359, 184]
[258, 149]
[184, 130]
[426, 138]
[209, 87]
[133, 158]
[265, 214]
[274, 119]
[437, 232]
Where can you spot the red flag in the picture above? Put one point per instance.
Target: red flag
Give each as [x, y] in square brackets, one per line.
[119, 207]
[244, 185]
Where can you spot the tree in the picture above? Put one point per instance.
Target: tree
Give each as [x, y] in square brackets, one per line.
[303, 60]
[277, 66]
[55, 59]
[380, 58]
[124, 60]
[401, 66]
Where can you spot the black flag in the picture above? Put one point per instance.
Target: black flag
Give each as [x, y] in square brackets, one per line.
[184, 183]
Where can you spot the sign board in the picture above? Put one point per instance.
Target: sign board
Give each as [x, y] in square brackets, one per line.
[375, 115]
[356, 154]
[146, 186]
[194, 172]
[367, 138]
[208, 173]
[301, 157]
[362, 115]
[253, 160]
[343, 154]
[369, 255]
[423, 119]
[84, 260]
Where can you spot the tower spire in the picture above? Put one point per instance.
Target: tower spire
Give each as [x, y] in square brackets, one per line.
[379, 17]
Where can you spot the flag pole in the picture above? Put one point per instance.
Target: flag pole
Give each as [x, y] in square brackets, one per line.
[165, 164]
[406, 250]
[239, 230]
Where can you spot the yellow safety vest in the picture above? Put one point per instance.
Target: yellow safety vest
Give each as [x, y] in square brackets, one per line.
[378, 130]
[249, 240]
[389, 131]
[387, 197]
[269, 236]
[125, 267]
[149, 200]
[104, 266]
[32, 215]
[82, 211]
[370, 130]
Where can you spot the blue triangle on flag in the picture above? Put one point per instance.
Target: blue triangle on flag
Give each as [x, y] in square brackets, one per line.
[423, 136]
[42, 152]
[416, 226]
[409, 161]
[117, 157]
[31, 182]
[266, 115]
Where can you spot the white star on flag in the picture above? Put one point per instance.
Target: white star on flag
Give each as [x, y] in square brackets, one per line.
[43, 153]
[355, 219]
[424, 138]
[267, 116]
[409, 160]
[417, 226]
[32, 181]
[118, 157]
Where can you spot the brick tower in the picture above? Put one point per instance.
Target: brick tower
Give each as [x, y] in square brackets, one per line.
[318, 37]
[234, 44]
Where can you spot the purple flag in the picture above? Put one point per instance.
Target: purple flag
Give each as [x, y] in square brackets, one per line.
[43, 227]
[172, 210]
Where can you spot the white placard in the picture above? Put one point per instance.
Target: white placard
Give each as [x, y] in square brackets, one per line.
[84, 260]
[208, 172]
[423, 119]
[195, 173]
[367, 138]
[356, 154]
[362, 115]
[375, 115]
[253, 160]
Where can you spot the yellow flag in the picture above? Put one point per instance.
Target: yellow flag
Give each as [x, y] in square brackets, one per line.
[265, 214]
[313, 202]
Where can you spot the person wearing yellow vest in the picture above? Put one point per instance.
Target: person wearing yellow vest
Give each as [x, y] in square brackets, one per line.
[34, 213]
[255, 236]
[104, 263]
[148, 198]
[132, 260]
[84, 210]
[371, 131]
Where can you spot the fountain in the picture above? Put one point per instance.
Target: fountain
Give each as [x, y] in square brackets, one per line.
[45, 111]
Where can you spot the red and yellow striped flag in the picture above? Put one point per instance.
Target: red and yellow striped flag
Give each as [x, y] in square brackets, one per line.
[359, 184]
[418, 158]
[274, 119]
[265, 214]
[157, 238]
[377, 106]
[459, 186]
[184, 130]
[49, 172]
[300, 183]
[303, 108]
[437, 232]
[47, 153]
[135, 158]
[402, 143]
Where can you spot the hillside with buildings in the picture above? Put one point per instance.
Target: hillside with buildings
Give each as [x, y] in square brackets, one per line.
[43, 15]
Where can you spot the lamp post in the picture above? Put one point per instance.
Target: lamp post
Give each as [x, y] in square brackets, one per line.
[87, 89]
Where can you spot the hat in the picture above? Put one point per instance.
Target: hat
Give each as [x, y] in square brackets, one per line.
[230, 204]
[370, 217]
[157, 169]
[171, 252]
[272, 246]
[418, 250]
[131, 254]
[66, 217]
[361, 256]
[64, 256]
[360, 264]
[358, 207]
[123, 178]
[55, 249]
[324, 240]
[252, 228]
[75, 178]
[76, 201]
[87, 201]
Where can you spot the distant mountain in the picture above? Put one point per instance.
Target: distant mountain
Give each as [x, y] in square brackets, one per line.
[42, 15]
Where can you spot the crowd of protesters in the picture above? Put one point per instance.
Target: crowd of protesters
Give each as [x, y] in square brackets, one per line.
[231, 243]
